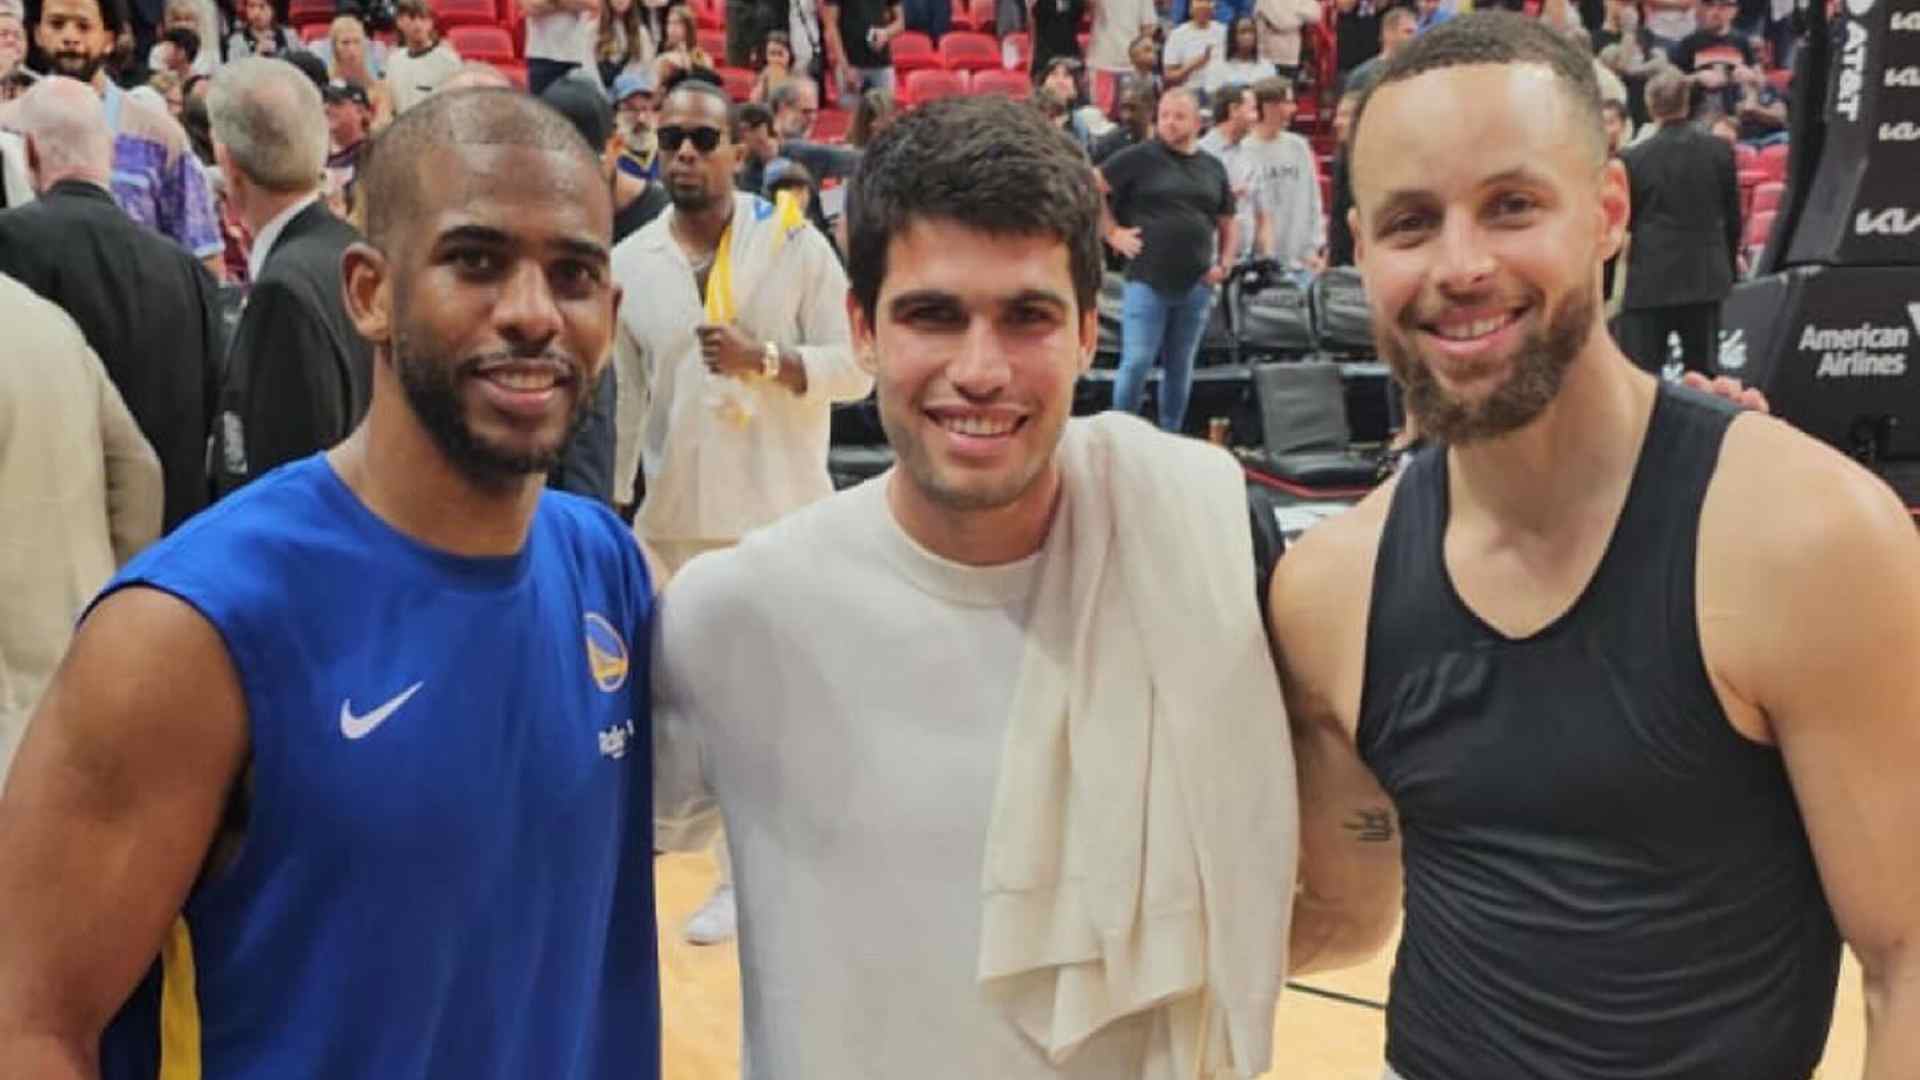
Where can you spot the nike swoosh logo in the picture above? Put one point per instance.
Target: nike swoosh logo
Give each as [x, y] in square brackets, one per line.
[359, 727]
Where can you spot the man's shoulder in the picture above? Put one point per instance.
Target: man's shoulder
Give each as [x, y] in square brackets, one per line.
[1327, 572]
[1792, 500]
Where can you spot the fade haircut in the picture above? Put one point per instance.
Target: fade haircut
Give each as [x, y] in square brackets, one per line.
[1499, 37]
[393, 171]
[985, 163]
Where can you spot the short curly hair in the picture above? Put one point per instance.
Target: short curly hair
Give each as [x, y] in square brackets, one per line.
[987, 163]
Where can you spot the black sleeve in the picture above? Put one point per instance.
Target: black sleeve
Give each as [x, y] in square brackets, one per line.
[1227, 207]
[295, 394]
[823, 161]
[1729, 182]
[1120, 170]
[586, 465]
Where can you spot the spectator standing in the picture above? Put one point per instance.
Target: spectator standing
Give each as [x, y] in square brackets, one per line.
[1117, 25]
[1172, 211]
[1684, 234]
[357, 61]
[1630, 51]
[1279, 24]
[298, 374]
[1055, 33]
[1192, 45]
[804, 36]
[1397, 27]
[1669, 22]
[747, 27]
[859, 44]
[349, 122]
[1233, 114]
[1356, 31]
[1339, 227]
[625, 45]
[632, 100]
[80, 494]
[1716, 56]
[775, 63]
[1286, 184]
[680, 50]
[260, 33]
[1133, 111]
[1084, 123]
[760, 144]
[155, 179]
[166, 54]
[1241, 65]
[424, 59]
[148, 309]
[560, 37]
[13, 41]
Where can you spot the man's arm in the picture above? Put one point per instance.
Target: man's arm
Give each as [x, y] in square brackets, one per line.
[824, 362]
[105, 822]
[1229, 227]
[1811, 623]
[136, 489]
[1349, 894]
[830, 37]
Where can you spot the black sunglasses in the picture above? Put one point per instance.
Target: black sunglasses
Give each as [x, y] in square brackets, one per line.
[704, 138]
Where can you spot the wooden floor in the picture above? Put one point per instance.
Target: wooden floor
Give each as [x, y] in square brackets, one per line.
[1316, 1039]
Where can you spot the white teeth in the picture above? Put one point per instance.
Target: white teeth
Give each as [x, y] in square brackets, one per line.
[1480, 328]
[977, 425]
[524, 380]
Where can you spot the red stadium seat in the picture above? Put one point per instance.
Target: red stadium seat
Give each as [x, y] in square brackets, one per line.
[738, 82]
[516, 70]
[709, 14]
[975, 16]
[1758, 226]
[1752, 178]
[963, 51]
[913, 51]
[1782, 79]
[713, 43]
[487, 44]
[1767, 196]
[312, 32]
[452, 13]
[1085, 39]
[962, 17]
[1022, 44]
[831, 125]
[932, 85]
[1773, 161]
[304, 13]
[1745, 157]
[1011, 84]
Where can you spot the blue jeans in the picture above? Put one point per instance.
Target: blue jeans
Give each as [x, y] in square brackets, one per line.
[1163, 326]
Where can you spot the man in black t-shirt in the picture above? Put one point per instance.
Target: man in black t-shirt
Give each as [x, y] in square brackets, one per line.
[1715, 56]
[859, 34]
[1169, 203]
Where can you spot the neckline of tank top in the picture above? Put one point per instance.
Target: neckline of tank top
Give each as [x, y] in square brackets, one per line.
[474, 573]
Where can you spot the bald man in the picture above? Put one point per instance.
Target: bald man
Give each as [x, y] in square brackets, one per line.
[146, 306]
[363, 755]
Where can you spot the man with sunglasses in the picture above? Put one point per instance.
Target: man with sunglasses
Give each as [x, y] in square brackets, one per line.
[733, 347]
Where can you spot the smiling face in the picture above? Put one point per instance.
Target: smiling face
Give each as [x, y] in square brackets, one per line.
[74, 38]
[1482, 269]
[495, 306]
[977, 341]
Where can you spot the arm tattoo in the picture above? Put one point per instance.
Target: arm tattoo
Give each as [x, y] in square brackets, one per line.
[1371, 825]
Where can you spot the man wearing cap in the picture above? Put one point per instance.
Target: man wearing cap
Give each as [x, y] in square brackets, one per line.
[632, 98]
[423, 62]
[349, 116]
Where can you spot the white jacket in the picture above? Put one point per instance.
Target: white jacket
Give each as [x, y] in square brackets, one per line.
[708, 476]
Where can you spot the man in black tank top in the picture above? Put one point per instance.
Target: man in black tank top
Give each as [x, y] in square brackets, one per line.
[1629, 681]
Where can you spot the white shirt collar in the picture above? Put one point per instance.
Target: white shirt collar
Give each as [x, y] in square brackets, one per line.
[269, 234]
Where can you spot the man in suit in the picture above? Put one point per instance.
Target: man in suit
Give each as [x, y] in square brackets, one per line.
[1685, 234]
[80, 494]
[146, 305]
[298, 374]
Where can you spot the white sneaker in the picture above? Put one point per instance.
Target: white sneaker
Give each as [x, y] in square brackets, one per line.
[717, 920]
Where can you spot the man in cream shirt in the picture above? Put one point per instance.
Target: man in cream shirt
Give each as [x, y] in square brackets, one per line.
[733, 346]
[1002, 754]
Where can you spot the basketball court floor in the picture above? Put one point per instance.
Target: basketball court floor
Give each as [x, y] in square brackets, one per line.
[1317, 1037]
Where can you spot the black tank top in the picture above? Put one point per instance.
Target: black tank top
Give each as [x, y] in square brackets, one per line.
[1604, 878]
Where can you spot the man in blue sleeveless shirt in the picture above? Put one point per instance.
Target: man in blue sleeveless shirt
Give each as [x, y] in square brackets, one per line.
[1626, 677]
[361, 753]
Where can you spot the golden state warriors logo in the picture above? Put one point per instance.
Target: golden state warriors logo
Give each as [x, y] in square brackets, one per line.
[606, 653]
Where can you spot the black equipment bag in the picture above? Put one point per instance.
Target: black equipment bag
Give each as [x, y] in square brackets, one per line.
[1271, 313]
[1341, 322]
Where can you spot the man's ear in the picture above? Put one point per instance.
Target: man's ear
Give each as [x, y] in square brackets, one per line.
[865, 349]
[1616, 207]
[1089, 336]
[368, 292]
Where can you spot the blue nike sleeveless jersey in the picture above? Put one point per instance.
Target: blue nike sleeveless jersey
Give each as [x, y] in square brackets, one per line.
[447, 864]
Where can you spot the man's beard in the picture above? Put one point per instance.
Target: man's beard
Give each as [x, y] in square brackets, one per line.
[76, 65]
[1539, 366]
[691, 202]
[432, 385]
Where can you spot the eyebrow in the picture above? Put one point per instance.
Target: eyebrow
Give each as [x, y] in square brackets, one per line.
[490, 237]
[942, 296]
[1520, 173]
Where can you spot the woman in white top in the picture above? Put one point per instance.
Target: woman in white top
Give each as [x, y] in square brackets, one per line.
[1241, 66]
[1278, 24]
